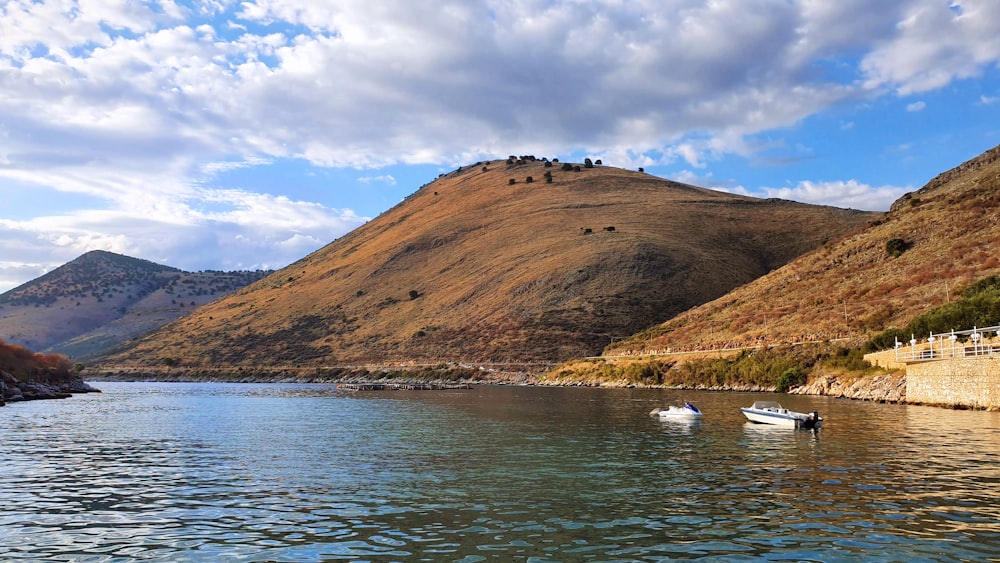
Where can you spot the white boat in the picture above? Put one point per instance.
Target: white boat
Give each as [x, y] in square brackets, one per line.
[686, 411]
[770, 412]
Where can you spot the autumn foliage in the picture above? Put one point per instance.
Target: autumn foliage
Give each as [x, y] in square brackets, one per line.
[22, 363]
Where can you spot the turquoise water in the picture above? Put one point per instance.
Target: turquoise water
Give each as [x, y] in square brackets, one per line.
[250, 472]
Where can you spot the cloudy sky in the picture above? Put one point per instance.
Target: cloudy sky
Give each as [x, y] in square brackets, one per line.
[244, 134]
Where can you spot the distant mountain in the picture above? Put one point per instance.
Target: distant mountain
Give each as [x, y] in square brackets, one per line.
[102, 299]
[933, 243]
[518, 260]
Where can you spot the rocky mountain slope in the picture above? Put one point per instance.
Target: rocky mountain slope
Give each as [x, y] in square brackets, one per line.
[102, 299]
[931, 244]
[503, 261]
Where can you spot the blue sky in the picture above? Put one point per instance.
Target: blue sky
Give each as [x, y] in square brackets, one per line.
[225, 134]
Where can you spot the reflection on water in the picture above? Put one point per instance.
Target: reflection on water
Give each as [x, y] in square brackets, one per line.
[307, 473]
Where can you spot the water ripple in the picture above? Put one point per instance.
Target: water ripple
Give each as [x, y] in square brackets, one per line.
[305, 473]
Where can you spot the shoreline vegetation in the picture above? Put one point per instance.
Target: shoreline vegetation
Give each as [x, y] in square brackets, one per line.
[885, 387]
[731, 374]
[820, 371]
[876, 385]
[30, 376]
[821, 368]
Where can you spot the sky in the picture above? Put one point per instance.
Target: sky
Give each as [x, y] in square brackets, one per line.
[245, 134]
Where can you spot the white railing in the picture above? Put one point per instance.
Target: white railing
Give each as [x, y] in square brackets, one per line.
[954, 344]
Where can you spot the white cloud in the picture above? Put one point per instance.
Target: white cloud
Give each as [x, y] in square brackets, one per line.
[241, 231]
[397, 82]
[146, 105]
[690, 154]
[988, 100]
[846, 194]
[934, 44]
[213, 168]
[452, 76]
[916, 107]
[849, 194]
[384, 179]
[362, 85]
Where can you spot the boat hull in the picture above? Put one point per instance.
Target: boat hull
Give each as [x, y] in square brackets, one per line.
[684, 414]
[781, 417]
[677, 412]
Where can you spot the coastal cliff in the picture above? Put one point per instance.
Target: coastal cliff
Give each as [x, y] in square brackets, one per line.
[883, 388]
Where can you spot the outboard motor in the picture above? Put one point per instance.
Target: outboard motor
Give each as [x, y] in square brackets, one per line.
[812, 421]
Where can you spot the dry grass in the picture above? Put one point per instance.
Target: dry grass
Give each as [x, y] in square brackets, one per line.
[472, 268]
[851, 288]
[101, 299]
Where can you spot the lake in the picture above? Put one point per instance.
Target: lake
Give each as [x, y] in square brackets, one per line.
[282, 472]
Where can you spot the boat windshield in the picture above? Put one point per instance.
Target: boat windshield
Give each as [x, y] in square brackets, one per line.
[766, 405]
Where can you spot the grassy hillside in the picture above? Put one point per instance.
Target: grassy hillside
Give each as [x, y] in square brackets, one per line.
[102, 299]
[933, 243]
[503, 261]
[928, 265]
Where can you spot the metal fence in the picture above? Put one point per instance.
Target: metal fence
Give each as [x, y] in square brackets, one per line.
[955, 344]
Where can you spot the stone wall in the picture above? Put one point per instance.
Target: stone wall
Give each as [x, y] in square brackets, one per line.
[960, 382]
[885, 359]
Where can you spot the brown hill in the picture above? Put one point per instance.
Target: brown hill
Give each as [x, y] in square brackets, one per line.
[493, 263]
[932, 243]
[102, 299]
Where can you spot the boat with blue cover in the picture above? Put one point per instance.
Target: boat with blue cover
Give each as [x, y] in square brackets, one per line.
[686, 411]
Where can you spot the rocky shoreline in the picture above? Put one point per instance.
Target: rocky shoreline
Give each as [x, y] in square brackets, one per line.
[886, 388]
[883, 388]
[13, 389]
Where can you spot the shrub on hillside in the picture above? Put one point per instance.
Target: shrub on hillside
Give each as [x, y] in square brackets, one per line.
[791, 377]
[850, 359]
[765, 369]
[24, 364]
[895, 247]
[978, 305]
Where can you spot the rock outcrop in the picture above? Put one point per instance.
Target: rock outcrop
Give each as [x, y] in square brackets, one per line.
[13, 389]
[886, 388]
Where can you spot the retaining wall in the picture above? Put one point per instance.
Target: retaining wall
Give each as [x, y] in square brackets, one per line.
[959, 382]
[885, 359]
